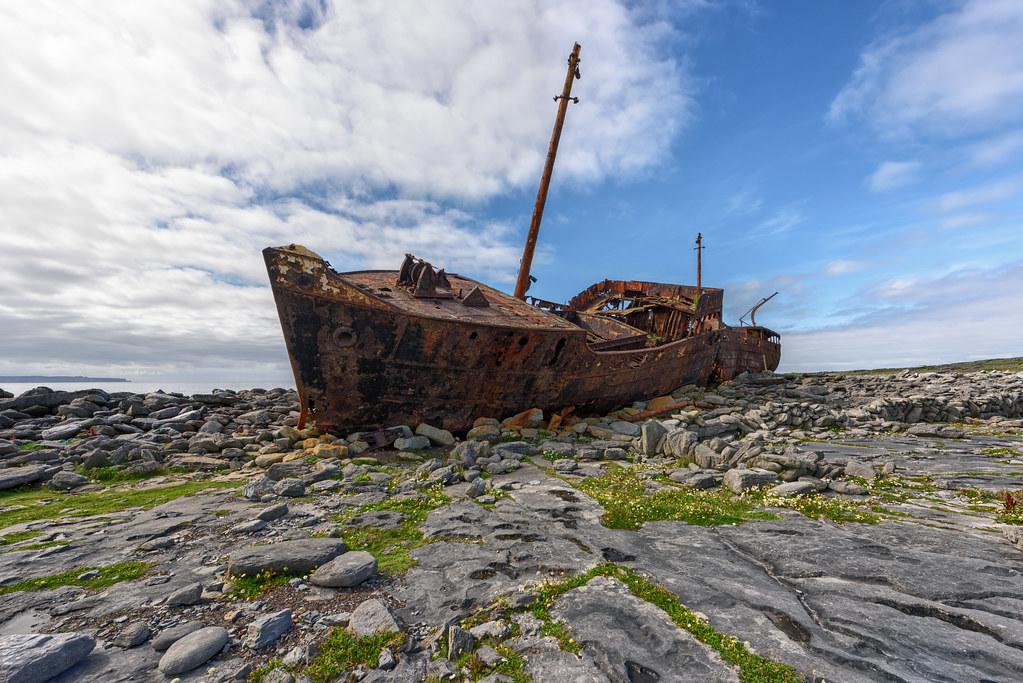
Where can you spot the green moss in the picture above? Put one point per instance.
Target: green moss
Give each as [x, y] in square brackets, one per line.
[752, 668]
[31, 446]
[393, 547]
[342, 651]
[108, 576]
[622, 494]
[27, 506]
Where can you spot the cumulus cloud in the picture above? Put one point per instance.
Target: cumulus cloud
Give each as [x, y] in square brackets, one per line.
[150, 151]
[891, 175]
[958, 74]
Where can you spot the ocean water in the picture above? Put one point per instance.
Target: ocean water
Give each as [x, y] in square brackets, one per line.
[146, 386]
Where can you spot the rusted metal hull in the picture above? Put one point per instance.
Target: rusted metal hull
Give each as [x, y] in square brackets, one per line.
[361, 362]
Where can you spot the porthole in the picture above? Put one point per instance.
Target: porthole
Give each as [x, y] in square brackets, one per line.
[344, 337]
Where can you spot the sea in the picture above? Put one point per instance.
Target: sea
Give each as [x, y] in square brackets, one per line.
[147, 386]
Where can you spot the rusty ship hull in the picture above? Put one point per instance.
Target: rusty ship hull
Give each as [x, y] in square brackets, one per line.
[368, 353]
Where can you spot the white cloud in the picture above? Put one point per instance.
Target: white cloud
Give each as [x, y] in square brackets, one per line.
[450, 100]
[960, 73]
[965, 220]
[843, 267]
[781, 221]
[988, 193]
[891, 175]
[154, 150]
[965, 315]
[743, 203]
[997, 149]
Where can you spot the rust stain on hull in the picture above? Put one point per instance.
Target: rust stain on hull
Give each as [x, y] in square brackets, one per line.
[374, 349]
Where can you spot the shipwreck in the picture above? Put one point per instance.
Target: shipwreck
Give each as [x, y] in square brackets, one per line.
[373, 349]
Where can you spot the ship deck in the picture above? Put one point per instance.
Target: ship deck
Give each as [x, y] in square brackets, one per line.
[503, 311]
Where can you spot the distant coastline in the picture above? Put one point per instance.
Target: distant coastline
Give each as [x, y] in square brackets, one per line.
[59, 378]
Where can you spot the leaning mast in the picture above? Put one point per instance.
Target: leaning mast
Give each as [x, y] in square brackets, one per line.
[522, 284]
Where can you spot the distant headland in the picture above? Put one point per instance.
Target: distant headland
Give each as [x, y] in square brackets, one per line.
[58, 378]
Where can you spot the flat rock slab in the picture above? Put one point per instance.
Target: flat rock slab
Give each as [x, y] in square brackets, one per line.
[628, 639]
[38, 657]
[382, 519]
[371, 617]
[289, 557]
[12, 477]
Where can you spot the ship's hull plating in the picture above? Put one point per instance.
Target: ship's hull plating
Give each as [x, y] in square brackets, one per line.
[359, 364]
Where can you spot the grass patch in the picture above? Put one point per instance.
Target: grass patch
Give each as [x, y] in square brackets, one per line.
[112, 475]
[249, 587]
[108, 576]
[393, 547]
[752, 668]
[28, 506]
[896, 489]
[1000, 451]
[31, 446]
[341, 652]
[622, 494]
[35, 546]
[816, 506]
[513, 666]
[18, 536]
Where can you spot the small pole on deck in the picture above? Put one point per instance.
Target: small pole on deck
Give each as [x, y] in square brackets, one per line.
[699, 264]
[522, 284]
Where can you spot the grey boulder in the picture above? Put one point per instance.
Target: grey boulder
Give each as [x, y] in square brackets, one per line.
[739, 480]
[193, 650]
[349, 569]
[268, 629]
[38, 657]
[65, 480]
[169, 636]
[289, 557]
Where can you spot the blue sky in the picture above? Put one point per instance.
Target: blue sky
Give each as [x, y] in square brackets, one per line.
[863, 159]
[788, 196]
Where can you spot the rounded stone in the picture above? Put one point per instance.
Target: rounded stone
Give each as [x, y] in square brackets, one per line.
[193, 650]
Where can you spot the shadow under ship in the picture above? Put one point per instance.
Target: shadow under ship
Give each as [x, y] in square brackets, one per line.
[374, 349]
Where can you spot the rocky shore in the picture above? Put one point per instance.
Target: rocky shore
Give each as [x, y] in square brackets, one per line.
[819, 527]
